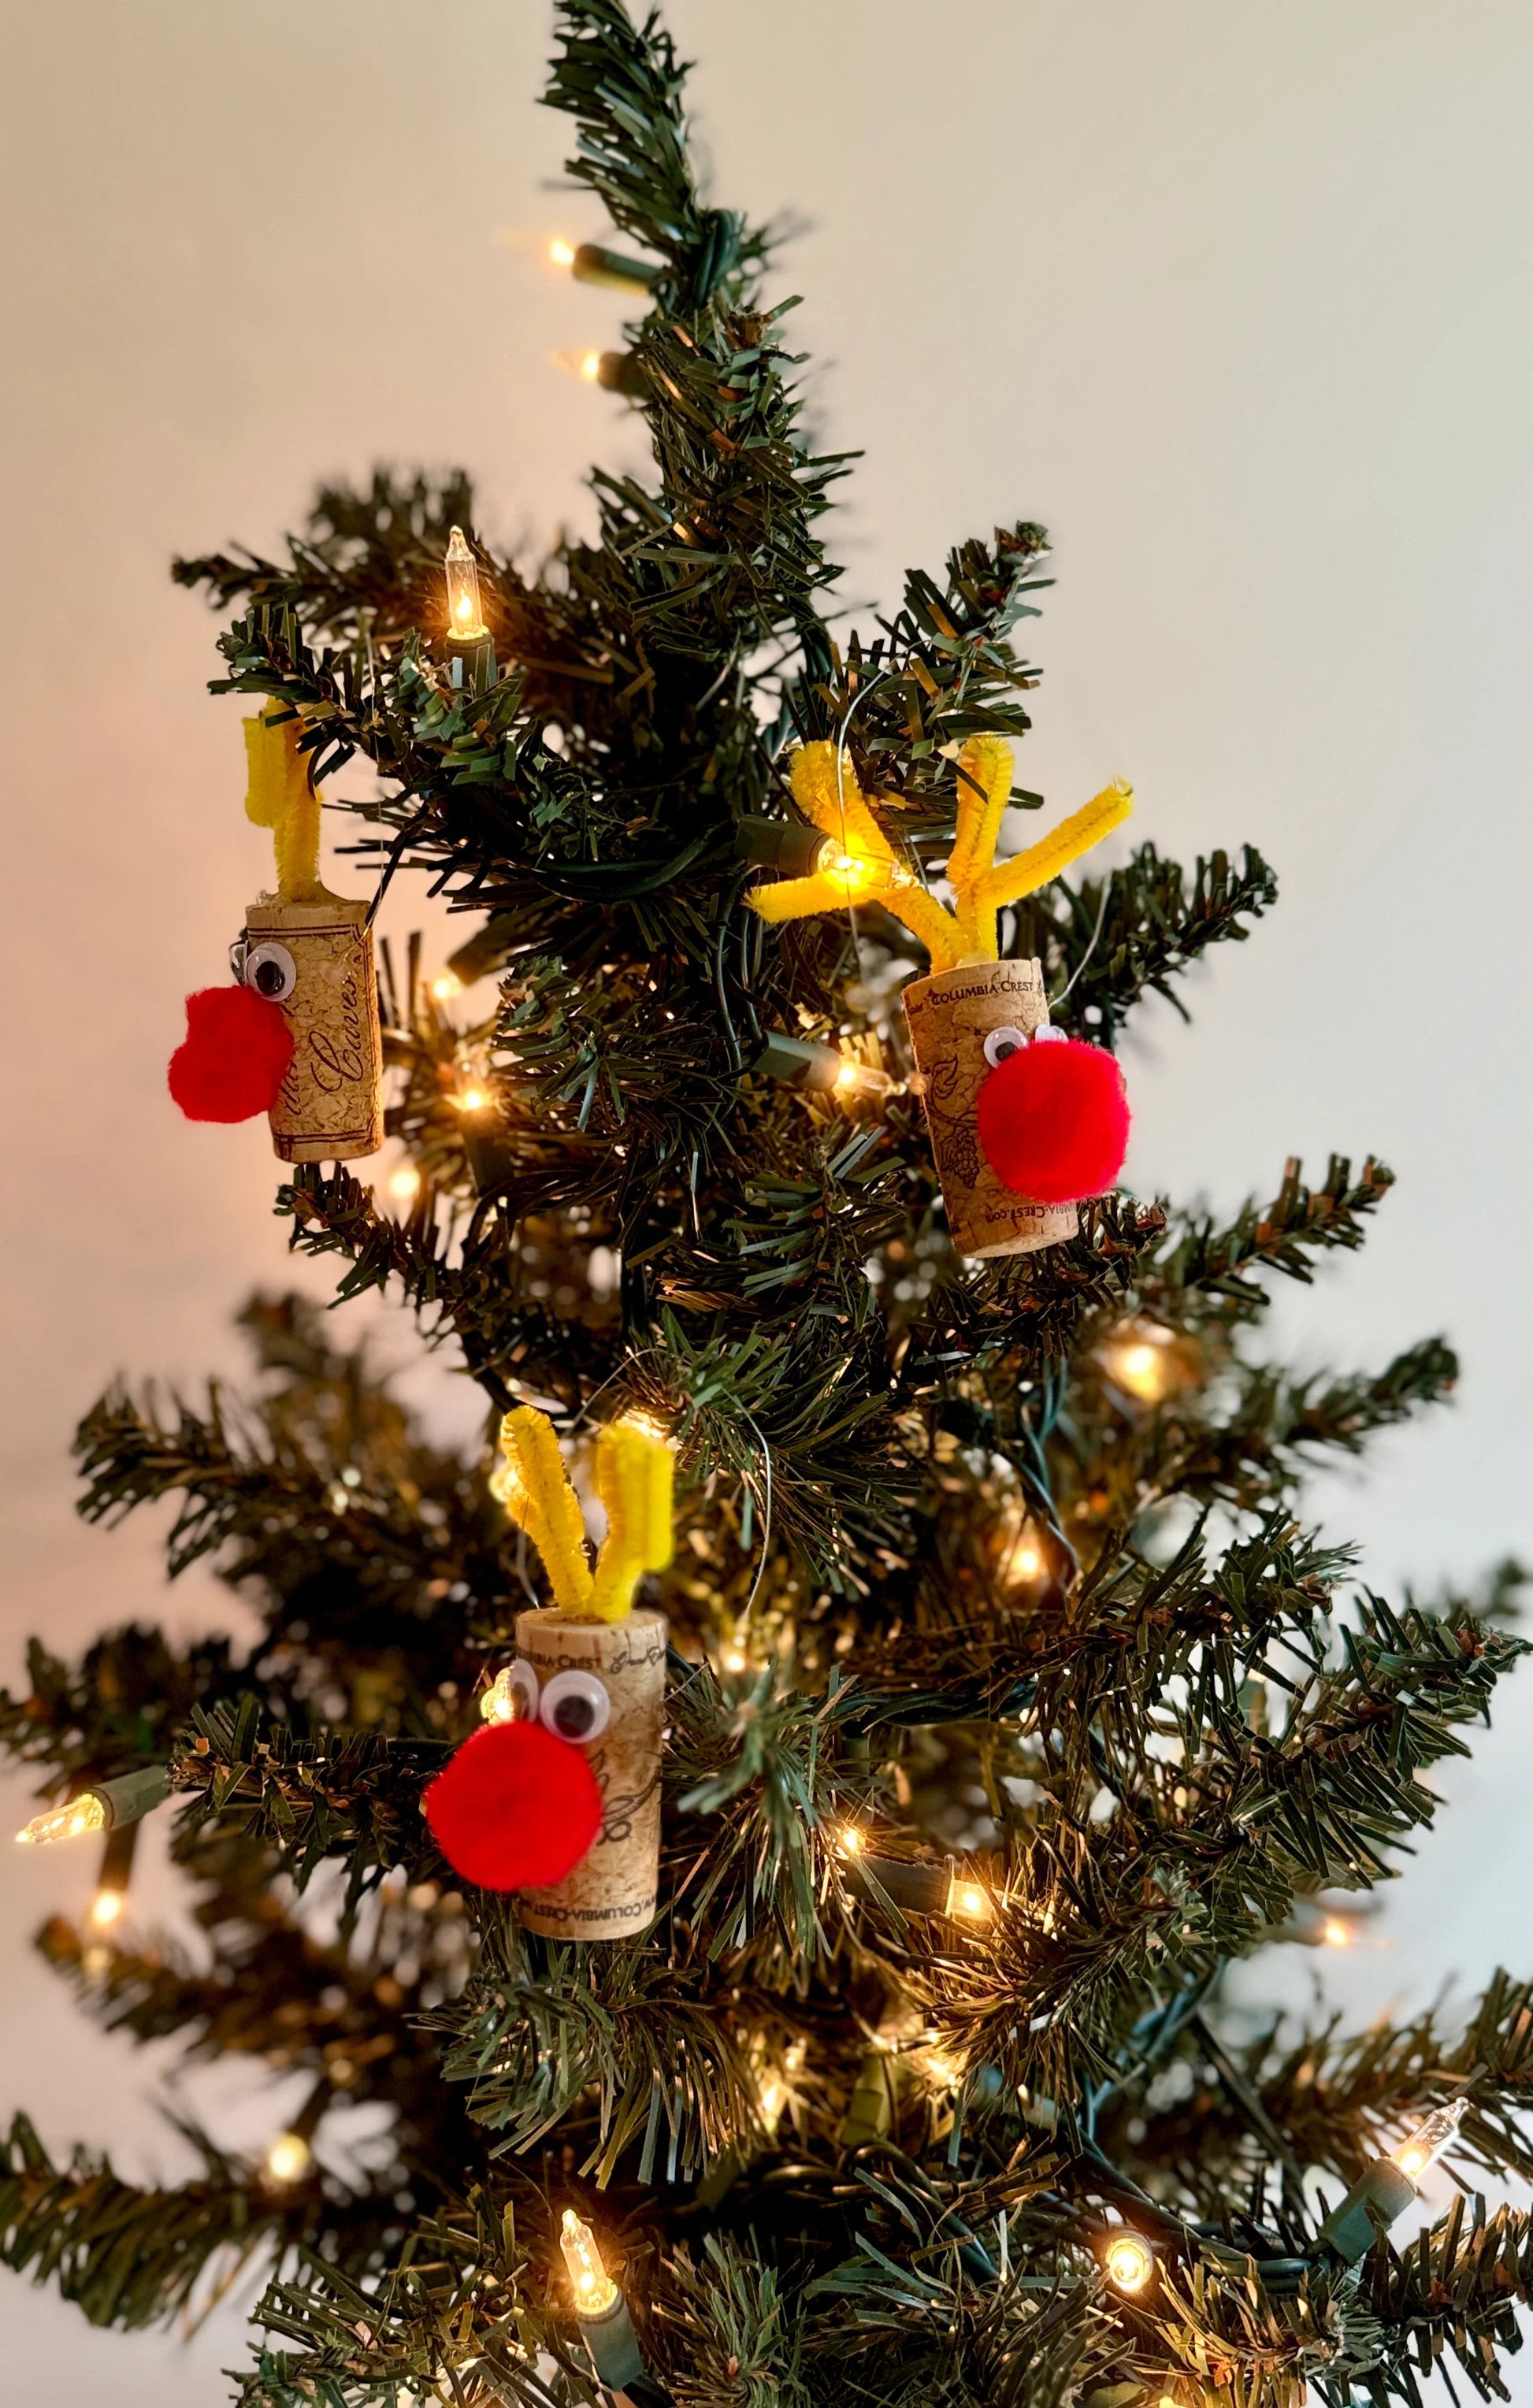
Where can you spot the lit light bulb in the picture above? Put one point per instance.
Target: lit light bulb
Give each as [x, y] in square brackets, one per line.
[106, 1908]
[969, 1900]
[1130, 2263]
[945, 2070]
[860, 1078]
[472, 1099]
[289, 2158]
[1027, 1563]
[1141, 1360]
[463, 615]
[594, 2291]
[585, 366]
[733, 1659]
[854, 873]
[1335, 1933]
[446, 986]
[87, 1812]
[501, 1702]
[405, 1183]
[562, 253]
[1423, 2147]
[849, 1840]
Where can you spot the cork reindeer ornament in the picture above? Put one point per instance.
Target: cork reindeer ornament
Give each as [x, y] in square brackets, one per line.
[298, 1035]
[558, 1796]
[1025, 1122]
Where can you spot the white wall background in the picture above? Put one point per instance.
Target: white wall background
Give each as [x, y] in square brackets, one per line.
[1236, 298]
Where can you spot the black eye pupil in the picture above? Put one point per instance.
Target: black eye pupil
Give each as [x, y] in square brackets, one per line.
[573, 1716]
[269, 978]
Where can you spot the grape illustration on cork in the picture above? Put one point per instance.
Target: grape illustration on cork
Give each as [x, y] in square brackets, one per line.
[1025, 1122]
[296, 1035]
[558, 1796]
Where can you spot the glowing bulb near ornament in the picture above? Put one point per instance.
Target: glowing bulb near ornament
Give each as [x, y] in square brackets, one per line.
[1423, 2147]
[849, 1841]
[1335, 1933]
[405, 1183]
[561, 253]
[446, 986]
[472, 1099]
[594, 2291]
[465, 618]
[855, 874]
[861, 1078]
[66, 1822]
[289, 2158]
[107, 1908]
[505, 1701]
[1129, 2263]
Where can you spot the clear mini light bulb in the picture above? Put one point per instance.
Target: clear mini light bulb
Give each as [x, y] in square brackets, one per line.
[969, 1900]
[465, 616]
[66, 1822]
[288, 2159]
[594, 2291]
[1423, 2147]
[1130, 2263]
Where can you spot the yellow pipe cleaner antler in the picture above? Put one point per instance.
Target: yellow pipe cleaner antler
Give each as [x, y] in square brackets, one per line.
[865, 869]
[634, 1467]
[280, 796]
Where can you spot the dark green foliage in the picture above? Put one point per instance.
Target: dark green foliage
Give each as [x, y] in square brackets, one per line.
[989, 1565]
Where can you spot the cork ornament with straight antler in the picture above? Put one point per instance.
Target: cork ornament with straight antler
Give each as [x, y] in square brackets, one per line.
[297, 1036]
[558, 1796]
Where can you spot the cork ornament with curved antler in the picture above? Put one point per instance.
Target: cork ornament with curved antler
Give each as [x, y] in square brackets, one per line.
[1018, 1139]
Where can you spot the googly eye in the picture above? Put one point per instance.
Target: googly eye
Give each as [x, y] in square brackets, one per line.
[575, 1706]
[272, 971]
[1001, 1043]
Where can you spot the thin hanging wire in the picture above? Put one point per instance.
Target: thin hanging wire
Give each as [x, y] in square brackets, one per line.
[1101, 918]
[860, 696]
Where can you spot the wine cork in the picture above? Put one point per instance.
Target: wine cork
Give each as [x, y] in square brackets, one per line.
[611, 1892]
[949, 1017]
[329, 1107]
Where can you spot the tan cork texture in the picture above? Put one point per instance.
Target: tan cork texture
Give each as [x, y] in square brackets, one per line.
[611, 1892]
[329, 1107]
[949, 1017]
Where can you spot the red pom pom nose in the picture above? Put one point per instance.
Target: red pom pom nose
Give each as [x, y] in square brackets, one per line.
[1054, 1121]
[235, 1055]
[516, 1808]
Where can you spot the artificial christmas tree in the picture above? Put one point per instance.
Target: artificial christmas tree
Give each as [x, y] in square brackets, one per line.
[1009, 1702]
